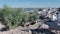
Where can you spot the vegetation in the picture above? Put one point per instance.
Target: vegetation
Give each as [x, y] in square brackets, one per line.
[40, 9]
[32, 17]
[13, 17]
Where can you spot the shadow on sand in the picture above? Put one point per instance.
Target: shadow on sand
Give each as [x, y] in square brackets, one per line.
[41, 31]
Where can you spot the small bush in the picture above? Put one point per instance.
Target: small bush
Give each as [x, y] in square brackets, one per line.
[13, 17]
[32, 17]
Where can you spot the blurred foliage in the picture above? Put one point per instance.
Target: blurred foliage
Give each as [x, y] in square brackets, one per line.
[40, 9]
[13, 17]
[32, 17]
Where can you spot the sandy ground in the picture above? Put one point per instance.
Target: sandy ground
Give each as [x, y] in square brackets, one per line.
[15, 31]
[18, 30]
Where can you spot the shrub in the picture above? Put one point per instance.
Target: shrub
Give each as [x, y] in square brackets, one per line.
[32, 17]
[11, 17]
